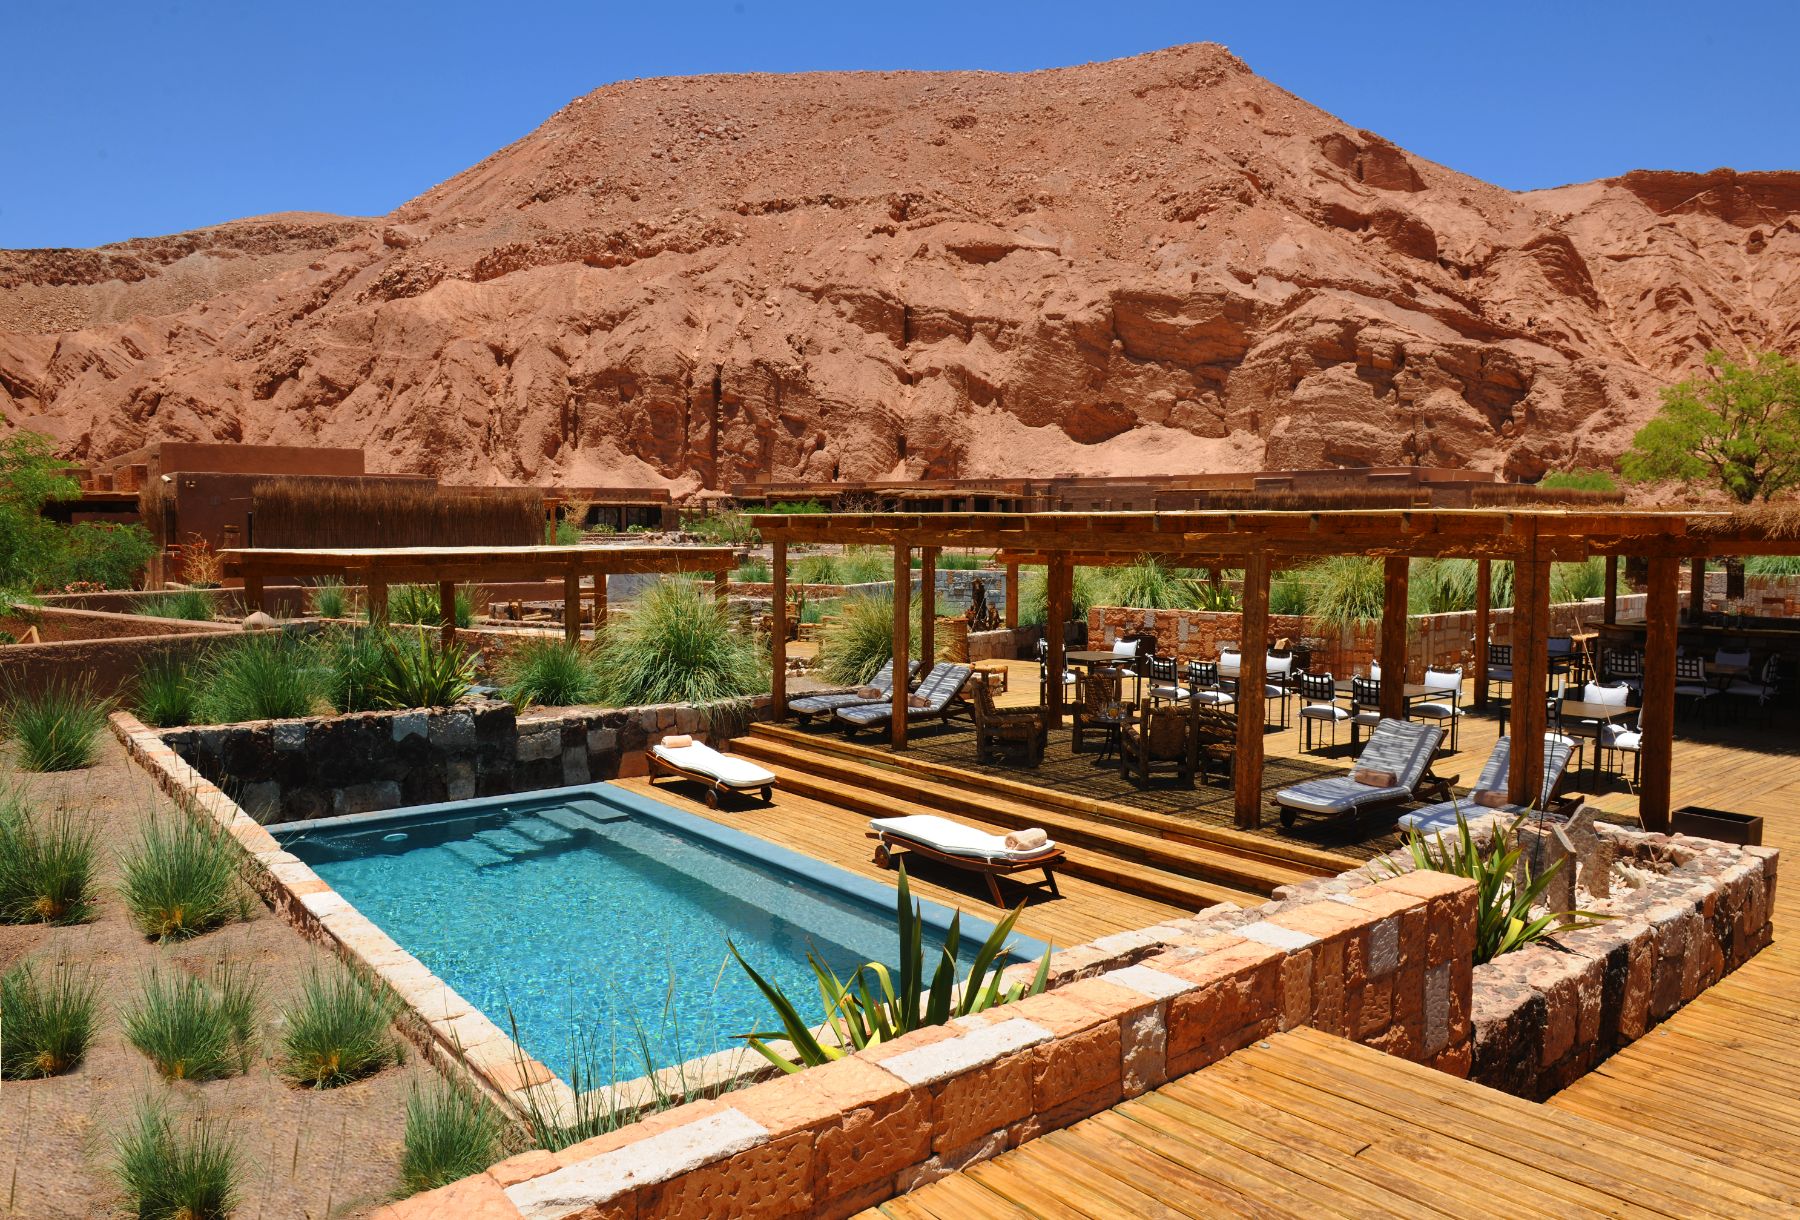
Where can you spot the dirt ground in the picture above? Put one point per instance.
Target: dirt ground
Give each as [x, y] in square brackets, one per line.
[306, 1154]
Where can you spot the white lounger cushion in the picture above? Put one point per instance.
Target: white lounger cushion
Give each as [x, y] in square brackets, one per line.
[702, 759]
[953, 838]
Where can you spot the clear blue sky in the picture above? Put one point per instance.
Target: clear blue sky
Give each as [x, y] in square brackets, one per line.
[153, 116]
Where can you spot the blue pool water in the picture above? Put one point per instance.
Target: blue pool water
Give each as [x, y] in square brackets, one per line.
[595, 914]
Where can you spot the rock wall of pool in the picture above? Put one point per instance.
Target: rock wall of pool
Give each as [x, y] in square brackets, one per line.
[591, 924]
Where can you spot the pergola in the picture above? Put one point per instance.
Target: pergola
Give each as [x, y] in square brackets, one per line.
[448, 566]
[1531, 539]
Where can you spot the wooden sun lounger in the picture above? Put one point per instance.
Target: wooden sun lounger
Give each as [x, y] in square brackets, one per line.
[714, 786]
[990, 868]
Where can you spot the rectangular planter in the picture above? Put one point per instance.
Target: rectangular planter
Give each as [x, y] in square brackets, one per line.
[1720, 824]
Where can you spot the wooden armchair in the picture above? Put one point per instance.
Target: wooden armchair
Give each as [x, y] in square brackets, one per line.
[996, 727]
[1215, 741]
[1099, 691]
[1165, 741]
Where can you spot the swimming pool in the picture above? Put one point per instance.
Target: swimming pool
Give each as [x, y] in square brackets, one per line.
[597, 914]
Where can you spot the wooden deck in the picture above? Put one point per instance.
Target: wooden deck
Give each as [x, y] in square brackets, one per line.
[1307, 1125]
[1085, 911]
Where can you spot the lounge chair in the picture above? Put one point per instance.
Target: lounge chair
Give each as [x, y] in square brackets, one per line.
[720, 773]
[1495, 777]
[963, 847]
[809, 706]
[936, 690]
[1400, 749]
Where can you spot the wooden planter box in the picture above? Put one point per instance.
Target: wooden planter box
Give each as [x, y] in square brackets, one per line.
[1721, 824]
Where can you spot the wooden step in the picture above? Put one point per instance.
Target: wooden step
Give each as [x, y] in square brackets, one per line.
[878, 788]
[1130, 876]
[1300, 857]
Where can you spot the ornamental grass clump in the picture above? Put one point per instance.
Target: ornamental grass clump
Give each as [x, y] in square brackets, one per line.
[859, 638]
[195, 1028]
[548, 671]
[818, 569]
[450, 1134]
[337, 1031]
[190, 1173]
[330, 600]
[56, 728]
[181, 880]
[414, 672]
[418, 605]
[194, 605]
[1345, 591]
[676, 646]
[46, 864]
[46, 1021]
[259, 677]
[870, 1007]
[1503, 908]
[351, 662]
[164, 696]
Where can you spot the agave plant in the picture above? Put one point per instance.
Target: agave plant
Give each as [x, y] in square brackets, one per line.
[870, 1008]
[419, 674]
[1503, 918]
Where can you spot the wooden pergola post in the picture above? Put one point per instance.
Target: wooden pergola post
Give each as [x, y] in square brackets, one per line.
[1247, 769]
[1531, 670]
[1059, 588]
[447, 612]
[1696, 588]
[1657, 718]
[1012, 596]
[601, 609]
[778, 642]
[902, 640]
[378, 599]
[253, 592]
[1395, 570]
[1609, 605]
[722, 585]
[928, 604]
[572, 606]
[1484, 624]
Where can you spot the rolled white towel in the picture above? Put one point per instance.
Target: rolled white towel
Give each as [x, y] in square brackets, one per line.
[1025, 840]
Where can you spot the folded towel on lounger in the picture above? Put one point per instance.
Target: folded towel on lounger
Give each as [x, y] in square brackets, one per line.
[1489, 800]
[871, 692]
[1373, 778]
[676, 741]
[1025, 840]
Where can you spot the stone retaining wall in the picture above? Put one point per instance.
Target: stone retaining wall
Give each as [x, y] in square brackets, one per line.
[104, 649]
[323, 766]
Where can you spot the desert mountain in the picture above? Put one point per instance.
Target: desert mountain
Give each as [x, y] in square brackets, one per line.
[1160, 264]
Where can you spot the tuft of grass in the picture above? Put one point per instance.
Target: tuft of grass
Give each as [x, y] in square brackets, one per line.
[960, 561]
[56, 728]
[260, 677]
[865, 565]
[1772, 565]
[46, 865]
[164, 697]
[676, 646]
[548, 671]
[418, 673]
[753, 572]
[1574, 582]
[46, 1023]
[419, 605]
[450, 1134]
[562, 532]
[337, 1031]
[182, 879]
[1147, 584]
[1345, 591]
[195, 1028]
[813, 569]
[1287, 593]
[1086, 589]
[1579, 480]
[191, 1174]
[330, 600]
[191, 604]
[859, 638]
[351, 663]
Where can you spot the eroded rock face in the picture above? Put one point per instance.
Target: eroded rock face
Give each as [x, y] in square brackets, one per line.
[1162, 264]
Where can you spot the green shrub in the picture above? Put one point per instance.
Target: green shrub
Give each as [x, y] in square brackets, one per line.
[1345, 591]
[753, 572]
[171, 1175]
[1146, 584]
[871, 1008]
[865, 565]
[1287, 593]
[1579, 480]
[46, 1024]
[1574, 582]
[182, 879]
[562, 532]
[676, 646]
[1503, 918]
[722, 528]
[329, 599]
[859, 638]
[960, 561]
[46, 865]
[164, 696]
[1772, 565]
[819, 569]
[1085, 589]
[193, 1028]
[548, 671]
[414, 672]
[1441, 586]
[814, 609]
[57, 728]
[192, 604]
[259, 677]
[337, 1031]
[450, 1134]
[420, 604]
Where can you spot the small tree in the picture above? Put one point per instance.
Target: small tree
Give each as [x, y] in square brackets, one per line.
[1738, 424]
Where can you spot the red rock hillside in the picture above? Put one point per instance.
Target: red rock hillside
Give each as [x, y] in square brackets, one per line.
[1162, 264]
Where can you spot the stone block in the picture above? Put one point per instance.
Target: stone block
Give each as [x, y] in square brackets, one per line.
[772, 1179]
[410, 724]
[1297, 989]
[603, 741]
[451, 732]
[653, 1157]
[1076, 1065]
[1435, 1034]
[459, 779]
[366, 798]
[919, 1061]
[288, 736]
[262, 800]
[575, 765]
[943, 1164]
[1143, 1050]
[990, 1097]
[539, 746]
